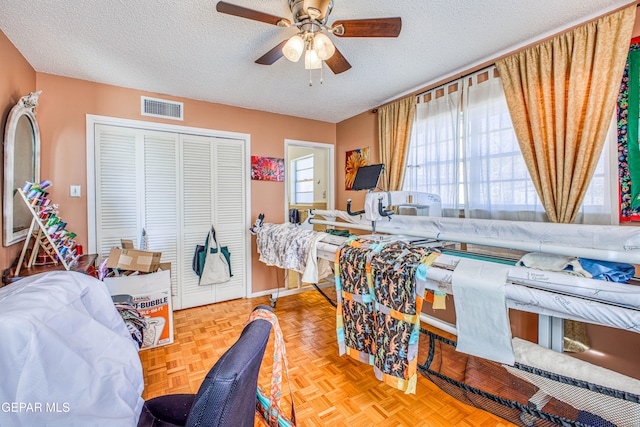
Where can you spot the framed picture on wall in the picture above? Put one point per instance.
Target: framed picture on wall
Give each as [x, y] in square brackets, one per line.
[267, 168]
[355, 159]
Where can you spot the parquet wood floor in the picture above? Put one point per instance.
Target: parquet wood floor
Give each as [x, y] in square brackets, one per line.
[328, 390]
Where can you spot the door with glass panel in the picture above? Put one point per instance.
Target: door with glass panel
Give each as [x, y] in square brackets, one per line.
[309, 182]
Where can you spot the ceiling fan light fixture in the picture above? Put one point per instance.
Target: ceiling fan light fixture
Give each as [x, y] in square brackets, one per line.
[311, 60]
[310, 18]
[323, 46]
[293, 48]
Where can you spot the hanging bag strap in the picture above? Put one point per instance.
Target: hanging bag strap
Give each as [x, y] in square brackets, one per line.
[201, 254]
[211, 237]
[222, 249]
[275, 416]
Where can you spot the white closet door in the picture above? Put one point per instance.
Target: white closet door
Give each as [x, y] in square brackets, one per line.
[213, 194]
[160, 196]
[174, 186]
[117, 187]
[196, 207]
[229, 184]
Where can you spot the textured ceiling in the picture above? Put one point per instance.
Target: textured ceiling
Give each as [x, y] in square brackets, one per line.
[185, 48]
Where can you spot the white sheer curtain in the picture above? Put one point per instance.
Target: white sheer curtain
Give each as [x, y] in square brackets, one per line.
[464, 149]
[498, 185]
[433, 163]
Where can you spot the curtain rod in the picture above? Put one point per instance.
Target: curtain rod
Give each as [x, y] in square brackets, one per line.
[442, 85]
[457, 78]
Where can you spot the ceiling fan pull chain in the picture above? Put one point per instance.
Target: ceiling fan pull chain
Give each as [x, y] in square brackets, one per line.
[310, 78]
[321, 80]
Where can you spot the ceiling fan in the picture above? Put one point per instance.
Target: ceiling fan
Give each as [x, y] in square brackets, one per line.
[310, 17]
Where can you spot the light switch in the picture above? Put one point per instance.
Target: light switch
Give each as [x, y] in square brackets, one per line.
[74, 191]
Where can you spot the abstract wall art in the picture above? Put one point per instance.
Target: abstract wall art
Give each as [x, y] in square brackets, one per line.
[267, 168]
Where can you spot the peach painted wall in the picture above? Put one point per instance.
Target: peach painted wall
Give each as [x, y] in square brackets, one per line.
[636, 27]
[17, 79]
[65, 102]
[360, 131]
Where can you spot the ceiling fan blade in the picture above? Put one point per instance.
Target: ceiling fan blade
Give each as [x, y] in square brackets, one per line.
[380, 27]
[338, 63]
[273, 55]
[243, 12]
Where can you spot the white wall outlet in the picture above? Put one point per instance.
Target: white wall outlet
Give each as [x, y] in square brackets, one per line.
[74, 191]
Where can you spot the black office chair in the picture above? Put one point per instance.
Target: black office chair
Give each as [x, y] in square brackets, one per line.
[227, 396]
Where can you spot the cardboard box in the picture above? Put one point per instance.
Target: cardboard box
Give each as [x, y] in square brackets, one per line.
[151, 294]
[132, 259]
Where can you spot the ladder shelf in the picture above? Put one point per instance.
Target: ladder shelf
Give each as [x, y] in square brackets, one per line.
[47, 231]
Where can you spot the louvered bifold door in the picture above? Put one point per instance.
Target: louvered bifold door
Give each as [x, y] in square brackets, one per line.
[174, 186]
[229, 208]
[117, 187]
[197, 213]
[161, 200]
[214, 193]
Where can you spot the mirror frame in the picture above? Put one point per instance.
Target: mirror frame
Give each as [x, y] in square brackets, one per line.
[24, 108]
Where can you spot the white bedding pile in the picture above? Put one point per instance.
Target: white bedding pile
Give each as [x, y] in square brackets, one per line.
[66, 357]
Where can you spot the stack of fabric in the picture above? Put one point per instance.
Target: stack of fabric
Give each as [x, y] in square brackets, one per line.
[136, 325]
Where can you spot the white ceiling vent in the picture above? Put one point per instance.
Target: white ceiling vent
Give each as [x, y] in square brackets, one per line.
[162, 108]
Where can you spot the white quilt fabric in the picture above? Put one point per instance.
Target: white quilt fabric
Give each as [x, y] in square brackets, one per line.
[66, 356]
[482, 318]
[606, 243]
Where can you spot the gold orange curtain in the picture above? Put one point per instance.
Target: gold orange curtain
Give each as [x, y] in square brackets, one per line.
[395, 122]
[561, 95]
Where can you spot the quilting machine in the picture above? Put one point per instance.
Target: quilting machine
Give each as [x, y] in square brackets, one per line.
[554, 296]
[618, 305]
[606, 243]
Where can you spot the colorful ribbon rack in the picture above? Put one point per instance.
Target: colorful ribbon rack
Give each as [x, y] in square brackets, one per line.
[51, 224]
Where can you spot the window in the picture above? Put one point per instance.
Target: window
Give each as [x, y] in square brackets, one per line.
[497, 181]
[464, 149]
[434, 160]
[302, 182]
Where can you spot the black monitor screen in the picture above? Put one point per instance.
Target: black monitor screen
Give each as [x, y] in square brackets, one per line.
[367, 177]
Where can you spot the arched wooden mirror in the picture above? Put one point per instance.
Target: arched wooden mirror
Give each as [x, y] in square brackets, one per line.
[21, 164]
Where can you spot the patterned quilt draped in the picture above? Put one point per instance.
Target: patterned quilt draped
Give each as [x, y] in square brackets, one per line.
[378, 312]
[286, 246]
